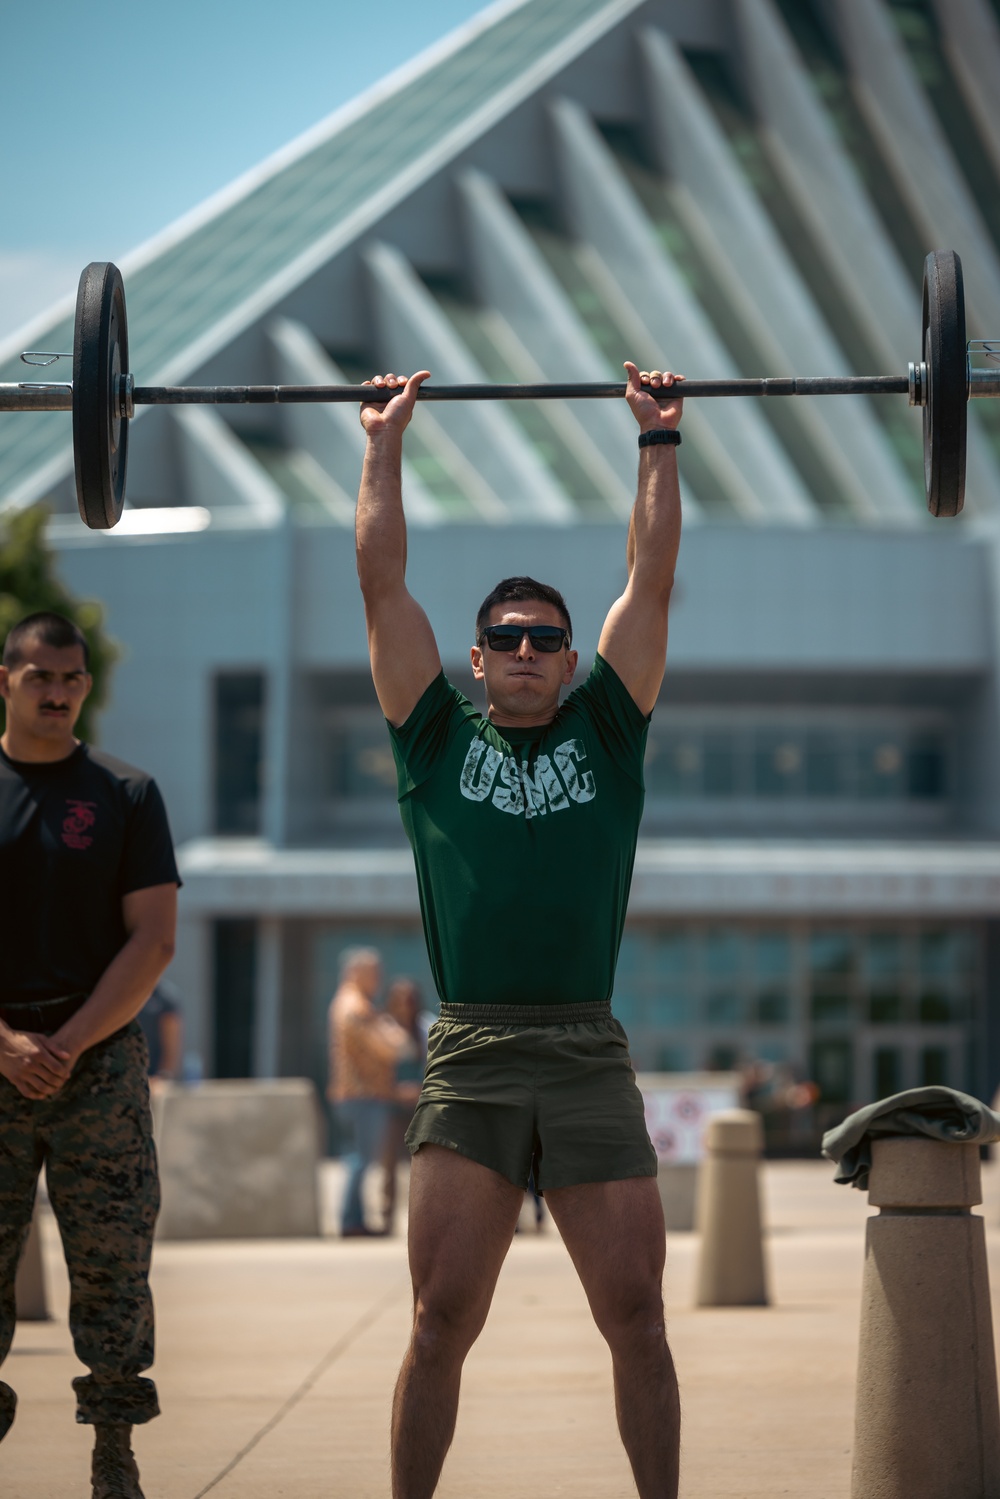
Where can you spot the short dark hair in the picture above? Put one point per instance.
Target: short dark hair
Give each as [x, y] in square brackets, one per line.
[517, 591]
[48, 629]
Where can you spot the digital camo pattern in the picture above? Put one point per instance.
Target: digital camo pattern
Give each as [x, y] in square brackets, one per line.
[96, 1142]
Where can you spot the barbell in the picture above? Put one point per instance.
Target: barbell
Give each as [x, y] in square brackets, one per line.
[103, 394]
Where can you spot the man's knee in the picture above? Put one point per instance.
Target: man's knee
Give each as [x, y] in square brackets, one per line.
[630, 1316]
[446, 1322]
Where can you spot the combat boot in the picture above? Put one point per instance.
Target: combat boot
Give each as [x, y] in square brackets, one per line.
[8, 1405]
[113, 1471]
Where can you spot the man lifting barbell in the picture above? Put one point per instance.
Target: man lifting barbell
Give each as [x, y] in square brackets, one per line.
[523, 824]
[89, 895]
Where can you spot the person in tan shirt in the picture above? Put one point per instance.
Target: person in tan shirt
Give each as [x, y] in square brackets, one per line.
[365, 1047]
[404, 1003]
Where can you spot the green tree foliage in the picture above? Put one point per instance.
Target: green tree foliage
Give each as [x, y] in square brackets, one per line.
[29, 582]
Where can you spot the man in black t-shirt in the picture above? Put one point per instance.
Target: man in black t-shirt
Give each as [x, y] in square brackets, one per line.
[88, 891]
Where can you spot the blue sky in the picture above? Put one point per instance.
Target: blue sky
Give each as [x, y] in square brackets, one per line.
[120, 120]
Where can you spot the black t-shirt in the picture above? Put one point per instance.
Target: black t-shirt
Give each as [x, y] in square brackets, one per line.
[75, 837]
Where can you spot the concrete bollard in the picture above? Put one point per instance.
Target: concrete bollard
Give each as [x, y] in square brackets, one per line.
[29, 1285]
[239, 1159]
[927, 1422]
[731, 1266]
[678, 1184]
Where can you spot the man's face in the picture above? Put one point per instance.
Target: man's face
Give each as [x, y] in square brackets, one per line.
[367, 974]
[45, 691]
[524, 684]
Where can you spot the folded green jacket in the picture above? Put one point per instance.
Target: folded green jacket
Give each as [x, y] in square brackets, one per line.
[940, 1113]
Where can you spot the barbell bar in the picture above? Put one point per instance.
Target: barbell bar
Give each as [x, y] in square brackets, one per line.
[103, 395]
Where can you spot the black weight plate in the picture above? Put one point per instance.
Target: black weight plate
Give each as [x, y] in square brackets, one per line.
[946, 410]
[100, 432]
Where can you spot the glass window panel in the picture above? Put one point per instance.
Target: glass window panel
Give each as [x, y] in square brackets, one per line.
[832, 952]
[239, 751]
[724, 1007]
[966, 949]
[719, 770]
[833, 1069]
[773, 1051]
[673, 1058]
[628, 1004]
[671, 952]
[943, 953]
[887, 1071]
[926, 767]
[673, 765]
[885, 1008]
[774, 1007]
[829, 1007]
[934, 1067]
[818, 762]
[936, 1008]
[883, 955]
[827, 767]
[671, 1007]
[723, 951]
[772, 954]
[235, 986]
[362, 763]
[777, 763]
[724, 1056]
[633, 956]
[881, 765]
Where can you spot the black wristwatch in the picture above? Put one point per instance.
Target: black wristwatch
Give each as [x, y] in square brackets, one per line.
[668, 436]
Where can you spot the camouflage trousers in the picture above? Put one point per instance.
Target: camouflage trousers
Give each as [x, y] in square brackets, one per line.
[95, 1140]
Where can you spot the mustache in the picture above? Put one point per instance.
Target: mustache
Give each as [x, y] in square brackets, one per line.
[55, 707]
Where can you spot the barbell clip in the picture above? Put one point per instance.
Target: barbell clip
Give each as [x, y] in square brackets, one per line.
[41, 358]
[62, 387]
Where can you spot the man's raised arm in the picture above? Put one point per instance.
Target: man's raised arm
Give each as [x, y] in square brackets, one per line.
[634, 638]
[404, 653]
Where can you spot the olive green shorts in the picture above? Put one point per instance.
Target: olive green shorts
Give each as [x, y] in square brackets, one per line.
[549, 1089]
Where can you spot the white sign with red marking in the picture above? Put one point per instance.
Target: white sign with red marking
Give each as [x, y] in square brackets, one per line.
[676, 1117]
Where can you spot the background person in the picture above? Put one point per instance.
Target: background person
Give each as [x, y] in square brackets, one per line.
[523, 824]
[404, 1004]
[163, 1027]
[88, 887]
[365, 1046]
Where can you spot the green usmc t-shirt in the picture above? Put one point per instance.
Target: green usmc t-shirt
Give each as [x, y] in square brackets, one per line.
[524, 841]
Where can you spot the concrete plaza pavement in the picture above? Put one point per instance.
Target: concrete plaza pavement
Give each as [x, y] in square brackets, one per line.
[276, 1361]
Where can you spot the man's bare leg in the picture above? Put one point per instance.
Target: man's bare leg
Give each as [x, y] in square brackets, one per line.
[614, 1233]
[462, 1220]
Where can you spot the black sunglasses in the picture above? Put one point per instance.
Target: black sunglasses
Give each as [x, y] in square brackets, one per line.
[544, 638]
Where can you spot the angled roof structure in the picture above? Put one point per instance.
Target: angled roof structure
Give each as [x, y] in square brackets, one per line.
[556, 184]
